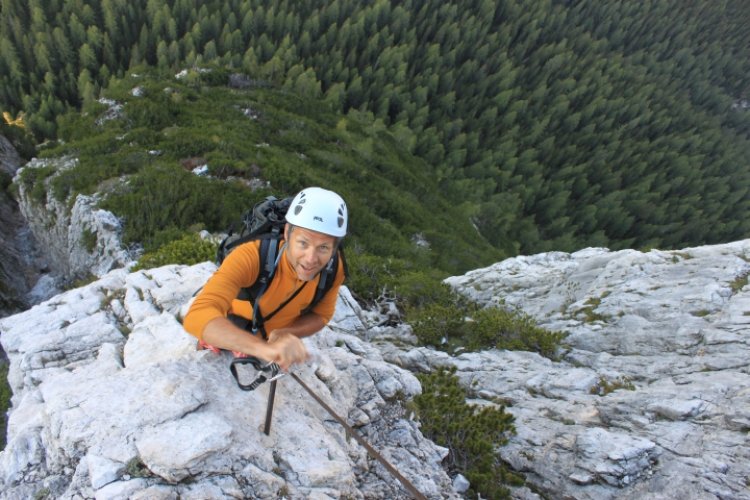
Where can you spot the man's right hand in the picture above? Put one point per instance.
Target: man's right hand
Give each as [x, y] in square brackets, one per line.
[288, 348]
[283, 349]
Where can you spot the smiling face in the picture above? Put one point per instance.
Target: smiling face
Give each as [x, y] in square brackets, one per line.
[308, 251]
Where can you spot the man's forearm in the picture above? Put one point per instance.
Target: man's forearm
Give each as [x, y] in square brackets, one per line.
[222, 333]
[283, 348]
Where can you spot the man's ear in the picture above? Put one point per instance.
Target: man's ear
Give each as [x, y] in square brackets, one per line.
[287, 231]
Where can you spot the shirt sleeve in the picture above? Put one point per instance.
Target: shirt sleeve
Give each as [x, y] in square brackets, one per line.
[239, 270]
[327, 305]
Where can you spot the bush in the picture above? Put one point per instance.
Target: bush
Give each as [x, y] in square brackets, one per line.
[5, 394]
[188, 250]
[496, 327]
[34, 179]
[89, 239]
[372, 277]
[472, 435]
[459, 323]
[22, 140]
[168, 198]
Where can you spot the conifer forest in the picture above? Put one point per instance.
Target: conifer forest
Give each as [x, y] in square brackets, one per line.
[552, 125]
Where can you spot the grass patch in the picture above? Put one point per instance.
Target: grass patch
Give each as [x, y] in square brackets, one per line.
[739, 282]
[605, 386]
[589, 308]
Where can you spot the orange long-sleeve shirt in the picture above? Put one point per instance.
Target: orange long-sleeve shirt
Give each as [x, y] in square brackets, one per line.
[240, 270]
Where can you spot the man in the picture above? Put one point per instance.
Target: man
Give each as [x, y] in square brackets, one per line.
[316, 222]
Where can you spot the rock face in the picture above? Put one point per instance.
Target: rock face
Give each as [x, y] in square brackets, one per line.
[79, 241]
[652, 397]
[111, 400]
[9, 157]
[19, 269]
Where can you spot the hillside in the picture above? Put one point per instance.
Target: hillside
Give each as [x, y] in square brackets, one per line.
[250, 141]
[553, 125]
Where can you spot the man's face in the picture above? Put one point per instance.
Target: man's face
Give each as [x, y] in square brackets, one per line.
[308, 251]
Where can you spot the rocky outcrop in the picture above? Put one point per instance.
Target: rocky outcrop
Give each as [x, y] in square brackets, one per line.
[112, 400]
[10, 160]
[19, 265]
[78, 239]
[652, 397]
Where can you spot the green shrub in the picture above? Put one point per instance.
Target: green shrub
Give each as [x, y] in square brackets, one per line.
[513, 330]
[5, 394]
[166, 197]
[605, 386]
[190, 249]
[436, 324]
[459, 323]
[88, 239]
[6, 180]
[33, 180]
[471, 434]
[407, 283]
[21, 139]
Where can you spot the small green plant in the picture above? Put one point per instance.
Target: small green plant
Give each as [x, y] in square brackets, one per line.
[409, 284]
[460, 323]
[701, 313]
[739, 282]
[678, 256]
[190, 249]
[472, 435]
[81, 281]
[5, 394]
[88, 239]
[589, 310]
[42, 494]
[136, 468]
[604, 386]
[111, 296]
[34, 180]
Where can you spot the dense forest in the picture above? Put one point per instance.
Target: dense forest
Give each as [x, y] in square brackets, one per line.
[551, 124]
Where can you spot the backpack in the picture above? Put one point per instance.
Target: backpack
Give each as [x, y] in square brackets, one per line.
[265, 222]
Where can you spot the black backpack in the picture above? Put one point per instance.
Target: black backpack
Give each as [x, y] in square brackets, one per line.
[266, 222]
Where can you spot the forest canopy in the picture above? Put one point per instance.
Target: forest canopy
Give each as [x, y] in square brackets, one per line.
[552, 125]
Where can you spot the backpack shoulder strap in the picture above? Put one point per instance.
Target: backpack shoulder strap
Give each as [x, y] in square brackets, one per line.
[328, 277]
[268, 252]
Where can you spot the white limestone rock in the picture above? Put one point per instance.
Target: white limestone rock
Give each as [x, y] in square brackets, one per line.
[112, 400]
[78, 239]
[669, 331]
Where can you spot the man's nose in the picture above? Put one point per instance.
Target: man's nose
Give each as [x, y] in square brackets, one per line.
[309, 255]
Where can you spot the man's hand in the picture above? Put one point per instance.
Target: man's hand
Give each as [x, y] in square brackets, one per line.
[287, 349]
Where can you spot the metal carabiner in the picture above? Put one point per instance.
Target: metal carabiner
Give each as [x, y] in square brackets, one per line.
[268, 372]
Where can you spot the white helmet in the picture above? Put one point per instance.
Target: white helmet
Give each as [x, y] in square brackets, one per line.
[319, 210]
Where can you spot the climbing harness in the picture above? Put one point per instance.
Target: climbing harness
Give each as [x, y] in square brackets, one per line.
[271, 372]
